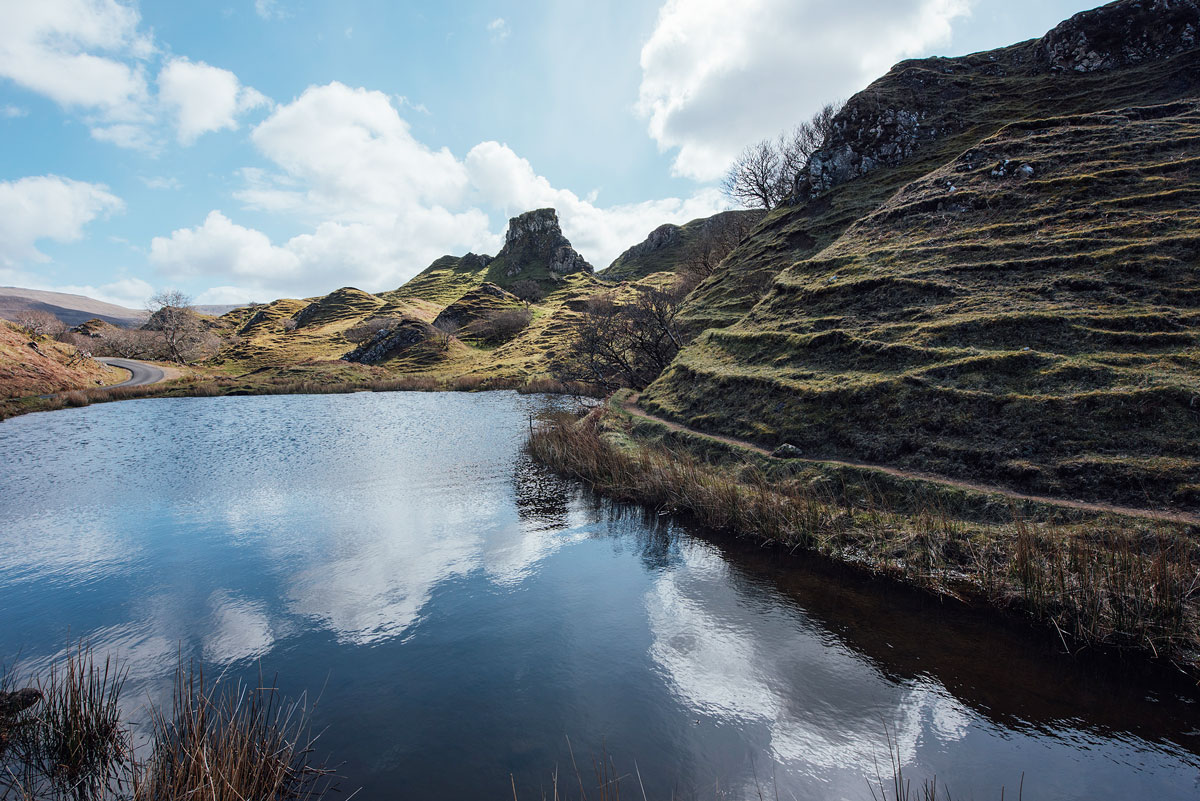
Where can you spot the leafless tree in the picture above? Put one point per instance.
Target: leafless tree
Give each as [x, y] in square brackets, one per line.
[39, 322]
[719, 236]
[753, 179]
[528, 290]
[614, 344]
[500, 326]
[130, 344]
[764, 174]
[173, 317]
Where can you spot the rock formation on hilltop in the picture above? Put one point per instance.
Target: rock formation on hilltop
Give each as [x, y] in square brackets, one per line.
[535, 248]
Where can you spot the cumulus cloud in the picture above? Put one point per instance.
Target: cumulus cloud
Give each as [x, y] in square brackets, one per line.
[498, 29]
[383, 205]
[203, 98]
[82, 54]
[132, 293]
[718, 75]
[47, 207]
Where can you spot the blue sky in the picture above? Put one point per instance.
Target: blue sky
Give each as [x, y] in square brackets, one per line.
[255, 149]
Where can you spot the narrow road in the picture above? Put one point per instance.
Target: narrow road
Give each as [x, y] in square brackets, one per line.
[140, 373]
[630, 406]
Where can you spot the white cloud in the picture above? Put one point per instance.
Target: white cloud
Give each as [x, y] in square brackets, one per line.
[47, 207]
[203, 98]
[132, 293]
[268, 9]
[508, 182]
[161, 182]
[498, 29]
[718, 75]
[12, 112]
[83, 54]
[383, 205]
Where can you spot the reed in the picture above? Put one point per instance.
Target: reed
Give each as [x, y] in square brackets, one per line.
[242, 743]
[1105, 581]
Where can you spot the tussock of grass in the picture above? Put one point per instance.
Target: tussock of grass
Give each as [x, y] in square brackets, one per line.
[217, 742]
[1105, 582]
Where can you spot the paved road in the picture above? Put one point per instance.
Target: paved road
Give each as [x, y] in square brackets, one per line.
[140, 372]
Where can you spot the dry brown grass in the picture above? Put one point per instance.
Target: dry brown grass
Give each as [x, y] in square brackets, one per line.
[1108, 581]
[218, 742]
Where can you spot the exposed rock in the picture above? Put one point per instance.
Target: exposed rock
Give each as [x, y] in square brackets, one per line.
[661, 237]
[1121, 34]
[787, 451]
[534, 245]
[921, 101]
[391, 341]
[14, 703]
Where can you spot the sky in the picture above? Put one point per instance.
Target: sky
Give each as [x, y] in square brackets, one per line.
[245, 150]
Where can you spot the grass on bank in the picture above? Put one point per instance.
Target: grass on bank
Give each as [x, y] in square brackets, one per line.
[218, 742]
[1099, 580]
[292, 381]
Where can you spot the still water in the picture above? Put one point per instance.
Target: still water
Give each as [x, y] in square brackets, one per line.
[462, 612]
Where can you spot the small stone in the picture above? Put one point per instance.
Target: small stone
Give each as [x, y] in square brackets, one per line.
[1025, 171]
[787, 451]
[12, 704]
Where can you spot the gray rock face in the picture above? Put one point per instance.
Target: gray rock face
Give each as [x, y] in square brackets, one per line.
[1122, 34]
[534, 240]
[663, 236]
[787, 451]
[391, 341]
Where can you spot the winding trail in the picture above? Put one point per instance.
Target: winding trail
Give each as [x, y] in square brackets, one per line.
[140, 373]
[630, 406]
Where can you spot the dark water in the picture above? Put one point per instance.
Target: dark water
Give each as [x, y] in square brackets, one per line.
[466, 612]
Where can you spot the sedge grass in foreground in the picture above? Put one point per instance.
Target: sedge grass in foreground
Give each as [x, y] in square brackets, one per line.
[1104, 581]
[218, 742]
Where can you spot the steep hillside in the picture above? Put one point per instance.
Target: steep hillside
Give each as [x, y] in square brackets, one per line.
[39, 365]
[670, 246]
[990, 272]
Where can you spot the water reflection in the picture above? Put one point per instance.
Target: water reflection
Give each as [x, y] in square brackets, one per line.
[465, 610]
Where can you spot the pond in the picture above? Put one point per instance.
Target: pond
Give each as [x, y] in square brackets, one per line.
[461, 613]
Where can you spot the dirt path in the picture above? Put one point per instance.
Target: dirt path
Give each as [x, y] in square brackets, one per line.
[630, 406]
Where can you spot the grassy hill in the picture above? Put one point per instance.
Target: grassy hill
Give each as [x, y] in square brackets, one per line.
[669, 246]
[34, 365]
[989, 272]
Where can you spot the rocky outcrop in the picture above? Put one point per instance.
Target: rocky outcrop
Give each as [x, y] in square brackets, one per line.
[922, 101]
[534, 247]
[664, 236]
[392, 341]
[1121, 34]
[669, 246]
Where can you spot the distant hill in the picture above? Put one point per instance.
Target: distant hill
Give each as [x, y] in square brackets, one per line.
[668, 247]
[71, 309]
[76, 309]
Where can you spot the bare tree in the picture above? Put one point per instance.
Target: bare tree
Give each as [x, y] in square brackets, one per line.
[173, 317]
[500, 326]
[130, 344]
[753, 178]
[39, 322]
[764, 175]
[528, 290]
[717, 239]
[614, 344]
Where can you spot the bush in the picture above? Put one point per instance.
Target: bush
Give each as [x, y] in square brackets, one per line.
[501, 326]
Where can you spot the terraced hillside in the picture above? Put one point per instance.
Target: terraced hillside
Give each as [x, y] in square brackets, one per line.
[1026, 310]
[670, 247]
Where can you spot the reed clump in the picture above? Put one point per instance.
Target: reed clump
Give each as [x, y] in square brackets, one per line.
[1105, 581]
[217, 742]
